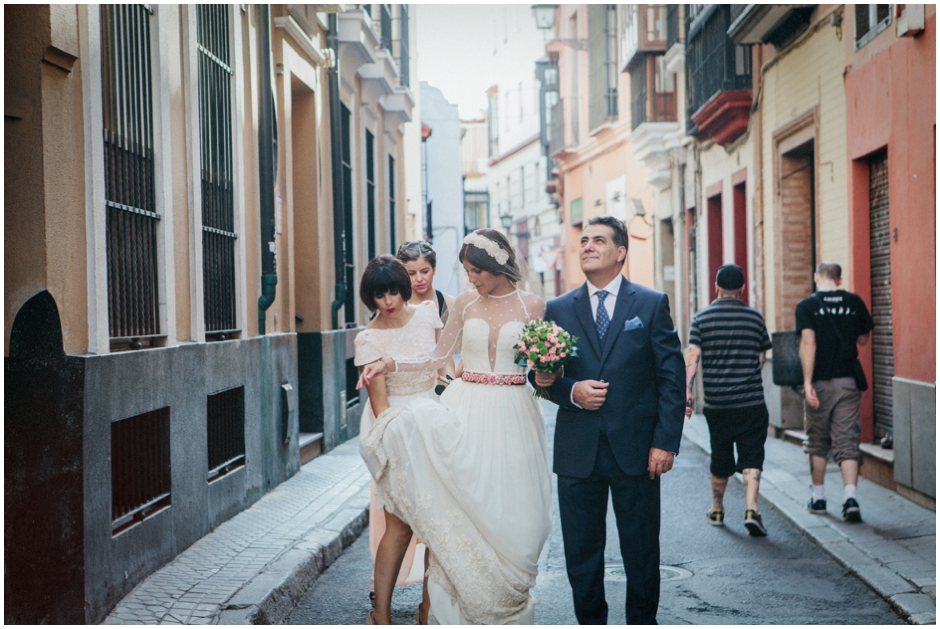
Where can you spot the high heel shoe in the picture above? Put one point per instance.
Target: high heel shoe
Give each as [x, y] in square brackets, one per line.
[369, 620]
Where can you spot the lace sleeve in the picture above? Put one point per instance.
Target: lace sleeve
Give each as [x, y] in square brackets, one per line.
[430, 311]
[446, 344]
[367, 349]
[534, 306]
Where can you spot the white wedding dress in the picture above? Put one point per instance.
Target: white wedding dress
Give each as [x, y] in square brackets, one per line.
[470, 473]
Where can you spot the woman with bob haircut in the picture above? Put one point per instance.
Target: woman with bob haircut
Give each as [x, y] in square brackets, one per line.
[476, 487]
[385, 288]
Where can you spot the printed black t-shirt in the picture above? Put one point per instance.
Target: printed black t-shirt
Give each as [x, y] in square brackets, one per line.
[825, 312]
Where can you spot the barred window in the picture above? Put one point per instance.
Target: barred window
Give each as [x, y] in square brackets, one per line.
[370, 193]
[348, 233]
[215, 130]
[602, 62]
[127, 103]
[401, 50]
[392, 218]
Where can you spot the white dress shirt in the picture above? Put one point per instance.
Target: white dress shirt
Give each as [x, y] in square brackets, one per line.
[609, 302]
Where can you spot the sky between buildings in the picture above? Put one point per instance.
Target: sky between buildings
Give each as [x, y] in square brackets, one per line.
[463, 49]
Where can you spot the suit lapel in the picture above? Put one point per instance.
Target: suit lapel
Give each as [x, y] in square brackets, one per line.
[623, 309]
[582, 307]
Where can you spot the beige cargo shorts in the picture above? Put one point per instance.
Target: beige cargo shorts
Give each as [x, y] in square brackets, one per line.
[834, 426]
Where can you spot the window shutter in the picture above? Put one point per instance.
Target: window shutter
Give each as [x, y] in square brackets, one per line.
[881, 12]
[861, 21]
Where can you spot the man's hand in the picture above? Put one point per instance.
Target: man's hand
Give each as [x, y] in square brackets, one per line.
[590, 394]
[689, 402]
[810, 394]
[660, 462]
[370, 371]
[547, 379]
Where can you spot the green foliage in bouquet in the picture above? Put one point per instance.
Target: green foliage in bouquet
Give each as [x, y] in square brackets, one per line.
[545, 347]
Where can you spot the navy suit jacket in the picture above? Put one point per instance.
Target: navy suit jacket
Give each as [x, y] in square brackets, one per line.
[645, 404]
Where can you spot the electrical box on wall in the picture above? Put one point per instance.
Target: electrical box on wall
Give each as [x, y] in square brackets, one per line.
[910, 19]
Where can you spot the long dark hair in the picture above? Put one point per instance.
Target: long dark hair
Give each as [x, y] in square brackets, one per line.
[479, 257]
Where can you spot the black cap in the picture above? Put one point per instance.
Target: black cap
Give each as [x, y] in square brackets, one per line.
[730, 277]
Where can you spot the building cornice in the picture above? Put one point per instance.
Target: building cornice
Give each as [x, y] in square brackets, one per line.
[514, 149]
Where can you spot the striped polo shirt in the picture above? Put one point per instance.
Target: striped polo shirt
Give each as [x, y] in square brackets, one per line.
[732, 336]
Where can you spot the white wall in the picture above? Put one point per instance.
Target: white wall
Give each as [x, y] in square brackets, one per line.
[445, 189]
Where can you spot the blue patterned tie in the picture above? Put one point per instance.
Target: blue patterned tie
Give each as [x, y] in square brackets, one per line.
[602, 320]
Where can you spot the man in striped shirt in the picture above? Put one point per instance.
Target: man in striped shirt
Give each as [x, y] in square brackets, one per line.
[731, 338]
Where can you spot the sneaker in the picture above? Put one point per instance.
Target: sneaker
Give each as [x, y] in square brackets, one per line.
[716, 517]
[850, 511]
[753, 524]
[817, 506]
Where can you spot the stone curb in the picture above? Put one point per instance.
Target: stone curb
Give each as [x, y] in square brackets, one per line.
[906, 598]
[270, 597]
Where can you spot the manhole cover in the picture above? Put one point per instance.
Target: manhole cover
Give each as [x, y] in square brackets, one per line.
[616, 572]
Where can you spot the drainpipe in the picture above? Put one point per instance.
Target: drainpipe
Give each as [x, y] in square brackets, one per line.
[339, 193]
[266, 159]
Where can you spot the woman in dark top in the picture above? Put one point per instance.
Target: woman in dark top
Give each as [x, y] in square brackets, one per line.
[421, 261]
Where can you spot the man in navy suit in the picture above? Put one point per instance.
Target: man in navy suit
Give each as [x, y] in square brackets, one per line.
[621, 409]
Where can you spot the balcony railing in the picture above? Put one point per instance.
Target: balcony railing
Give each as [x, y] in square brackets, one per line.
[650, 102]
[644, 30]
[401, 52]
[557, 140]
[385, 26]
[713, 62]
[638, 95]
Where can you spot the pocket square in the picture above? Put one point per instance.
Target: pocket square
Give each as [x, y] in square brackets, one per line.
[632, 324]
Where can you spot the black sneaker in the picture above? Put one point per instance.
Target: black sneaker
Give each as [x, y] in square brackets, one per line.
[716, 517]
[753, 524]
[850, 511]
[817, 506]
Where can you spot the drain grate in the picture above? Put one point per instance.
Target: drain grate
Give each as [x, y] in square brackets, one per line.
[616, 572]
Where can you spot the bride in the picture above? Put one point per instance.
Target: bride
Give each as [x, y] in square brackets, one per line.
[470, 474]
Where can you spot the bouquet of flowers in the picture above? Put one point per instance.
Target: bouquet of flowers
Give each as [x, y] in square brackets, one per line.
[544, 347]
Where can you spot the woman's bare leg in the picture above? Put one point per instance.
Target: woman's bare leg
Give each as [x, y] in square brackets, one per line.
[425, 604]
[388, 560]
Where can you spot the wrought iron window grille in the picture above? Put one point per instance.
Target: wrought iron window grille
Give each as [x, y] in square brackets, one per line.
[130, 206]
[714, 63]
[225, 432]
[215, 76]
[141, 482]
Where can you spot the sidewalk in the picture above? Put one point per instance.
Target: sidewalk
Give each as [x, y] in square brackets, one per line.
[893, 550]
[255, 567]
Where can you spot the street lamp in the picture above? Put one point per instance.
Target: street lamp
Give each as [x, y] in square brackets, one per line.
[506, 221]
[545, 20]
[544, 15]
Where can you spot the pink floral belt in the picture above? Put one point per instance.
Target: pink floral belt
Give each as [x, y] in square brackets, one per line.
[491, 378]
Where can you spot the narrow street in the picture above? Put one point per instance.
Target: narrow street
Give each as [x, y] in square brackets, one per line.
[710, 575]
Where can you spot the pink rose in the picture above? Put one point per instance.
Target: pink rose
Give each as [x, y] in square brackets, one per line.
[530, 364]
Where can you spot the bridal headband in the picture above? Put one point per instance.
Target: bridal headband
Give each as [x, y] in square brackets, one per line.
[490, 247]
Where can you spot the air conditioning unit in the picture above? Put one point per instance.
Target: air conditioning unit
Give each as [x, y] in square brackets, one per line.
[910, 19]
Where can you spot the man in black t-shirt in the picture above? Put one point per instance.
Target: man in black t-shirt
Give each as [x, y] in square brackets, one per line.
[831, 323]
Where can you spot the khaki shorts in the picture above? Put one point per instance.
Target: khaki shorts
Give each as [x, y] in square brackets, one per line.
[834, 426]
